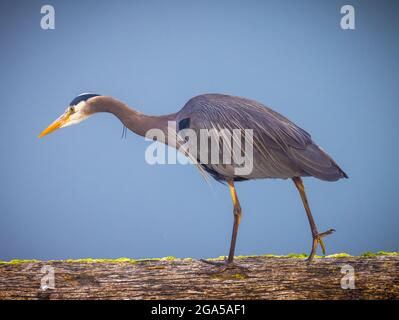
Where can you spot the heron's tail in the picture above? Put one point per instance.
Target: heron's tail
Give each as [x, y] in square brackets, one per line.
[317, 163]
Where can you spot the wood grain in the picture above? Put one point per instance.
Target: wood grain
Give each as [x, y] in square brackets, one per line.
[263, 278]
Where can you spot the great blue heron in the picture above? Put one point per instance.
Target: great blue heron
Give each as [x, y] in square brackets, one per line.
[280, 148]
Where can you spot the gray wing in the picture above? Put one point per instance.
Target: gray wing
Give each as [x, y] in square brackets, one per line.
[281, 149]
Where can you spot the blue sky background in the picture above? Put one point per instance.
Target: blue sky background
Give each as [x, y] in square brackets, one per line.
[84, 192]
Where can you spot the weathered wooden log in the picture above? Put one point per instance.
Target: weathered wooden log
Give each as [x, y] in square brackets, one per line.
[261, 277]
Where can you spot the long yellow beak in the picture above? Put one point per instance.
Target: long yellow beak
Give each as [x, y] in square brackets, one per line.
[55, 125]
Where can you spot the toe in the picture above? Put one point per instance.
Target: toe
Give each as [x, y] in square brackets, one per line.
[322, 245]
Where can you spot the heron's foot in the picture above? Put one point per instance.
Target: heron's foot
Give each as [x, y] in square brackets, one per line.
[224, 265]
[318, 239]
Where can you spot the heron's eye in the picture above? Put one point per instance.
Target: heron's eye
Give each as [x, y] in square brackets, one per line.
[71, 110]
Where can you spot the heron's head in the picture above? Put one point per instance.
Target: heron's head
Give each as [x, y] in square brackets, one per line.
[77, 111]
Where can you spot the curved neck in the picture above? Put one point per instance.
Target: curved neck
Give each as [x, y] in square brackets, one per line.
[135, 121]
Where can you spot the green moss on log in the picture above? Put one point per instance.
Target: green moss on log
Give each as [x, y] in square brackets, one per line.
[170, 258]
[379, 253]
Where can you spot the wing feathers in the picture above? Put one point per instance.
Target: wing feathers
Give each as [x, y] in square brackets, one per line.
[281, 148]
[317, 163]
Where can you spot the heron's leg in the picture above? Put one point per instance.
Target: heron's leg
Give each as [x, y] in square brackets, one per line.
[317, 237]
[237, 219]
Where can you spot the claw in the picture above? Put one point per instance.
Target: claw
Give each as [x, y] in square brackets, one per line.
[224, 265]
[215, 263]
[323, 234]
[322, 245]
[318, 239]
